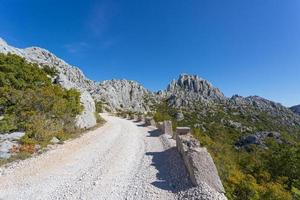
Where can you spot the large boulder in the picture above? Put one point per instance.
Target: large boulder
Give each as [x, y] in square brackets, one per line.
[87, 118]
[199, 163]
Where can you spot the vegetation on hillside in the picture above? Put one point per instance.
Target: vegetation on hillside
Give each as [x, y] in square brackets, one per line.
[30, 102]
[271, 173]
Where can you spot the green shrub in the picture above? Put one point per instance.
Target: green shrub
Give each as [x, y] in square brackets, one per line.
[99, 107]
[31, 103]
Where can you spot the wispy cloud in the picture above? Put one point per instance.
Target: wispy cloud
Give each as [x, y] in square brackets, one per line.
[100, 16]
[76, 47]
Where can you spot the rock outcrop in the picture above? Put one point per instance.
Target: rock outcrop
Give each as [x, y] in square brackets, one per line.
[256, 104]
[68, 77]
[87, 118]
[258, 139]
[296, 109]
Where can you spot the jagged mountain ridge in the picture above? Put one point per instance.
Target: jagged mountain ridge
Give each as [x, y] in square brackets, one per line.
[189, 92]
[132, 96]
[116, 94]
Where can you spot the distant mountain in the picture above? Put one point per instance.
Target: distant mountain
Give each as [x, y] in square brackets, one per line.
[296, 109]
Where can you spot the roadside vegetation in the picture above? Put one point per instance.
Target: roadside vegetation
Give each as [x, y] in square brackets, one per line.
[29, 102]
[271, 173]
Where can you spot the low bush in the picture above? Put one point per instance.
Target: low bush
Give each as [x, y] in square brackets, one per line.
[31, 103]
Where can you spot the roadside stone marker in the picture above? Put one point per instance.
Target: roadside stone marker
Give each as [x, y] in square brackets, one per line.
[159, 126]
[181, 131]
[198, 162]
[149, 121]
[167, 128]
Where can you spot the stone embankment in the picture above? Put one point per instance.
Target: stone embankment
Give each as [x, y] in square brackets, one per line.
[198, 162]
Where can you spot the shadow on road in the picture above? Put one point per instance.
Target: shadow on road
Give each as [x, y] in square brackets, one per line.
[172, 175]
[154, 133]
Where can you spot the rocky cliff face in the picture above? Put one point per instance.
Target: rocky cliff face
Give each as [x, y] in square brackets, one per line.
[68, 77]
[296, 109]
[124, 95]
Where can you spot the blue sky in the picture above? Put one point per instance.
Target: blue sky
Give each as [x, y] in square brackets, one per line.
[246, 47]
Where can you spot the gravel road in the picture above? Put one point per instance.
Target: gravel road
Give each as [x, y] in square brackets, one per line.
[121, 160]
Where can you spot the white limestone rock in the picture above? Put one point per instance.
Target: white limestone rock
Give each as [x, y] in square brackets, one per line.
[124, 95]
[15, 136]
[54, 140]
[87, 118]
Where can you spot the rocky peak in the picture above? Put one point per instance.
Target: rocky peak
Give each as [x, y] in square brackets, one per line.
[188, 89]
[195, 85]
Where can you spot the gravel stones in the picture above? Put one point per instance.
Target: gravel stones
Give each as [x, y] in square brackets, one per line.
[167, 127]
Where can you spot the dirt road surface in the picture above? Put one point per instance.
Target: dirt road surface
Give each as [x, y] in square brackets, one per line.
[120, 160]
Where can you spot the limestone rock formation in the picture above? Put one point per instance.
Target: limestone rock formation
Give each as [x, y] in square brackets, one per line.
[124, 95]
[278, 112]
[189, 89]
[87, 118]
[68, 76]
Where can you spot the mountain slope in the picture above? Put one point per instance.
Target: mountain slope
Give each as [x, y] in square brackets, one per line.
[67, 76]
[190, 93]
[296, 109]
